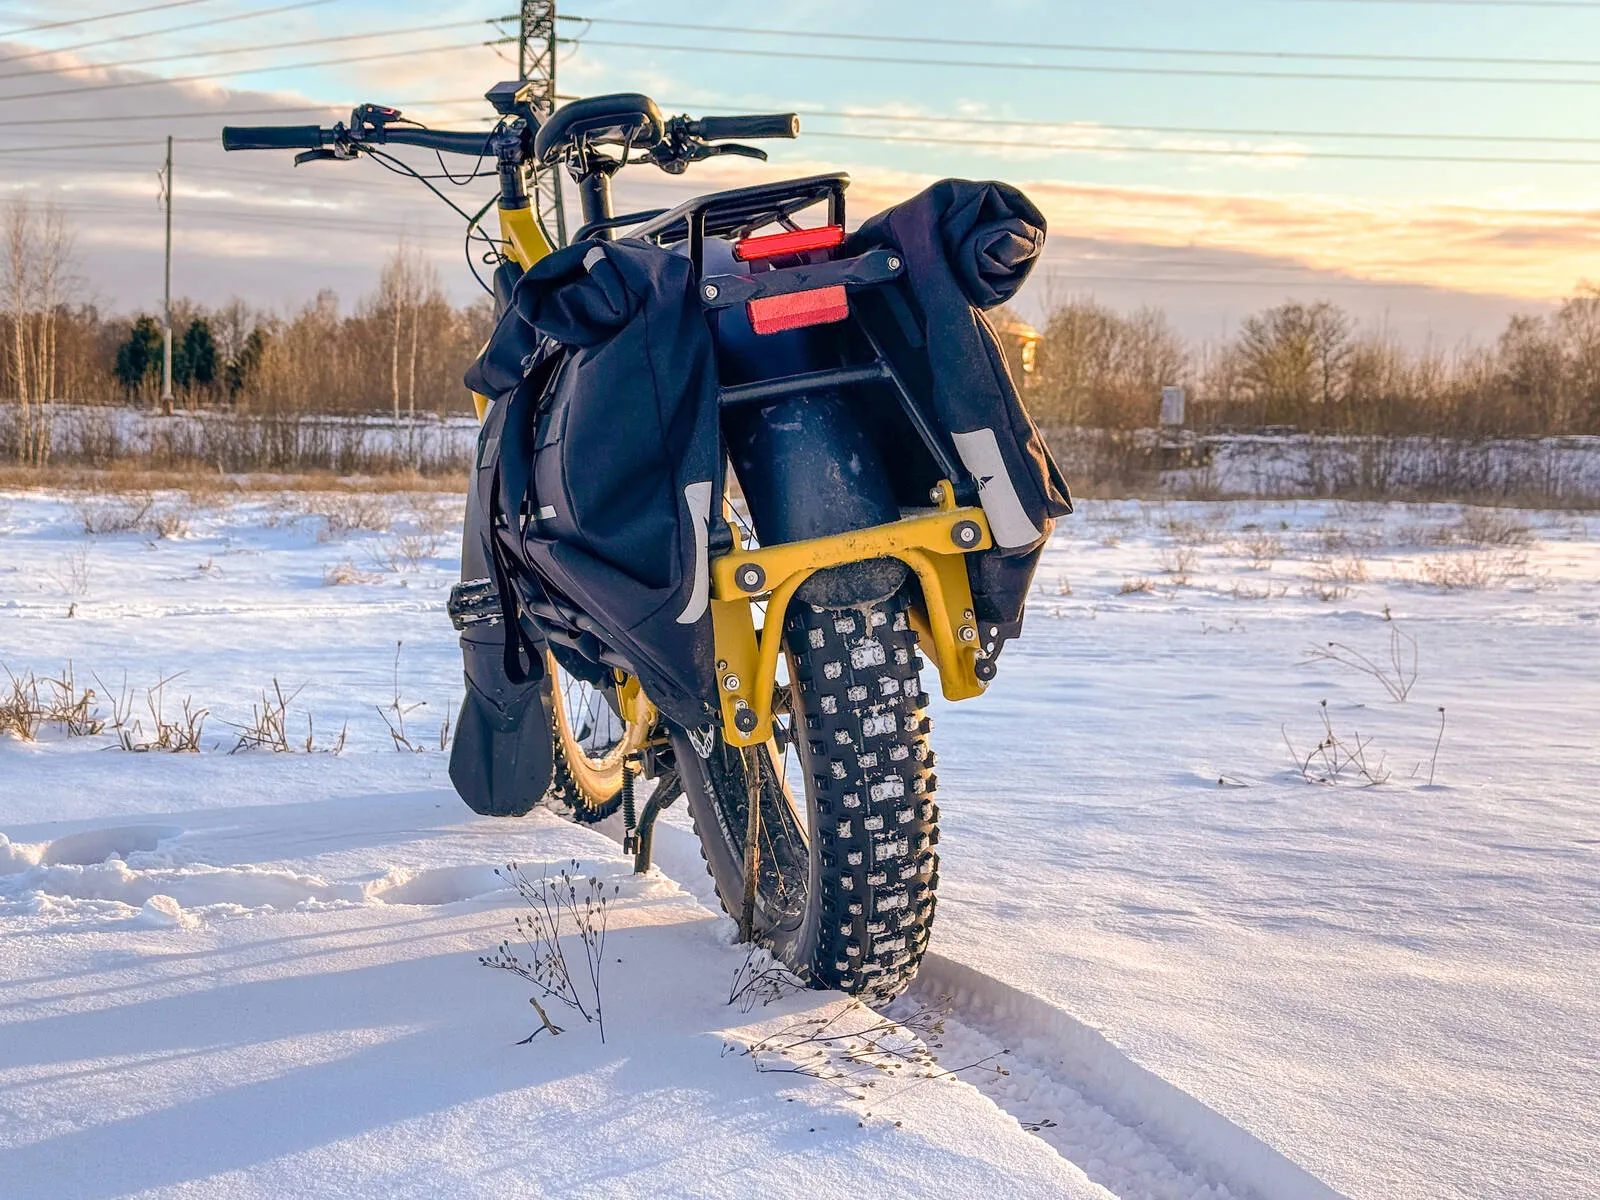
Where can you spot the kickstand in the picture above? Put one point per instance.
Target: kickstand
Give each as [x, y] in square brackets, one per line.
[666, 794]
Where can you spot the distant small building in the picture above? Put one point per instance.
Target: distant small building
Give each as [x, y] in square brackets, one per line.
[1020, 342]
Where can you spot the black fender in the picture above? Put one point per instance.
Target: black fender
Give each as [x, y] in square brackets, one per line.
[805, 465]
[503, 752]
[808, 470]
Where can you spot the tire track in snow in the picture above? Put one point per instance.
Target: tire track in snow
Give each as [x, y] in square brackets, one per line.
[1130, 1131]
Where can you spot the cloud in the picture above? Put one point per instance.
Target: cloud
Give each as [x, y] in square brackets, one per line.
[256, 226]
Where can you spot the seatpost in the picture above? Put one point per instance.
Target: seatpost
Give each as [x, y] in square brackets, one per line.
[593, 172]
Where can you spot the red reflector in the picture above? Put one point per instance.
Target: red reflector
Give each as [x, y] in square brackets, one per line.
[774, 314]
[796, 241]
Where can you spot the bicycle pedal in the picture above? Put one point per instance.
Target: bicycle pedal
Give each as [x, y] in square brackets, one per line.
[474, 602]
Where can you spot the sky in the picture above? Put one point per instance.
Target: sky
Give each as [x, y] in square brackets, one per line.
[1207, 158]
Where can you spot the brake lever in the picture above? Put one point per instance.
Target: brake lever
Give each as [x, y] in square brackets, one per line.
[343, 147]
[739, 149]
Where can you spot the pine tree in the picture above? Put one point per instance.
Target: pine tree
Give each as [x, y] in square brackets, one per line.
[139, 358]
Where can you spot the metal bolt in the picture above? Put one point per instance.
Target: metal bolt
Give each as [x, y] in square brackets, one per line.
[722, 664]
[711, 291]
[745, 719]
[730, 681]
[967, 615]
[936, 495]
[894, 263]
[968, 634]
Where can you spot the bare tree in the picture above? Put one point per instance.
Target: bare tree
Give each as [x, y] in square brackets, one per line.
[408, 288]
[36, 282]
[1293, 358]
[1099, 367]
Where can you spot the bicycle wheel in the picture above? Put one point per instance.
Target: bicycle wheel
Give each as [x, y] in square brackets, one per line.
[847, 874]
[596, 729]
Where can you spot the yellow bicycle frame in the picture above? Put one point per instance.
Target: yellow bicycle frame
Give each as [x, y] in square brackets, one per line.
[524, 242]
[933, 544]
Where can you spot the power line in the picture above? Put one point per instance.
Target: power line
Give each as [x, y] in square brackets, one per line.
[1092, 126]
[211, 75]
[342, 224]
[134, 37]
[1260, 155]
[869, 115]
[110, 16]
[76, 146]
[1573, 4]
[1092, 48]
[294, 45]
[287, 180]
[1069, 276]
[1090, 68]
[224, 115]
[1211, 151]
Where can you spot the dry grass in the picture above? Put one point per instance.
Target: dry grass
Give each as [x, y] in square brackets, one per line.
[1334, 576]
[403, 552]
[343, 574]
[1193, 533]
[1245, 591]
[1473, 570]
[1490, 527]
[347, 512]
[1134, 587]
[1396, 670]
[1338, 540]
[1263, 549]
[1178, 562]
[1337, 759]
[208, 488]
[74, 571]
[132, 512]
[179, 735]
[28, 703]
[268, 727]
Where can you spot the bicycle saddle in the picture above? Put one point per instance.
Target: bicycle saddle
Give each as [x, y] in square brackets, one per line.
[623, 118]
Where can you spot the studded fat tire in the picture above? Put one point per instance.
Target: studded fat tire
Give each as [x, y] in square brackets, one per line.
[861, 728]
[567, 796]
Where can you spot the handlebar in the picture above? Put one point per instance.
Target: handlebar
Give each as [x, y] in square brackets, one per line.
[314, 137]
[771, 125]
[448, 140]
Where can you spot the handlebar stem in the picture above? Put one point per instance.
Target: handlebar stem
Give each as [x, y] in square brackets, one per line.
[508, 148]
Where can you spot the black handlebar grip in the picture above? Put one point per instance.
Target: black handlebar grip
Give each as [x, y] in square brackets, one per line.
[271, 137]
[773, 125]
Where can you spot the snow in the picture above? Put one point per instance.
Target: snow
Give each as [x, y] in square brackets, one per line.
[257, 974]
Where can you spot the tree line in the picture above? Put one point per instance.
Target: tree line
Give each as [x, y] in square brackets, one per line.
[403, 347]
[1311, 367]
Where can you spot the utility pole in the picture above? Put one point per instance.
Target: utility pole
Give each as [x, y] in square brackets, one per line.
[536, 66]
[166, 319]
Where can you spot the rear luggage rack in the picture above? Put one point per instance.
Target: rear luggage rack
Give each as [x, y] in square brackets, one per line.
[730, 213]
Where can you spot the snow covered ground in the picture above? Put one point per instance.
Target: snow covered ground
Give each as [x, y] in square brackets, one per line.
[1201, 974]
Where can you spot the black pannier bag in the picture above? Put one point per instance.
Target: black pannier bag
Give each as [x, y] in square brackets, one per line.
[598, 463]
[969, 247]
